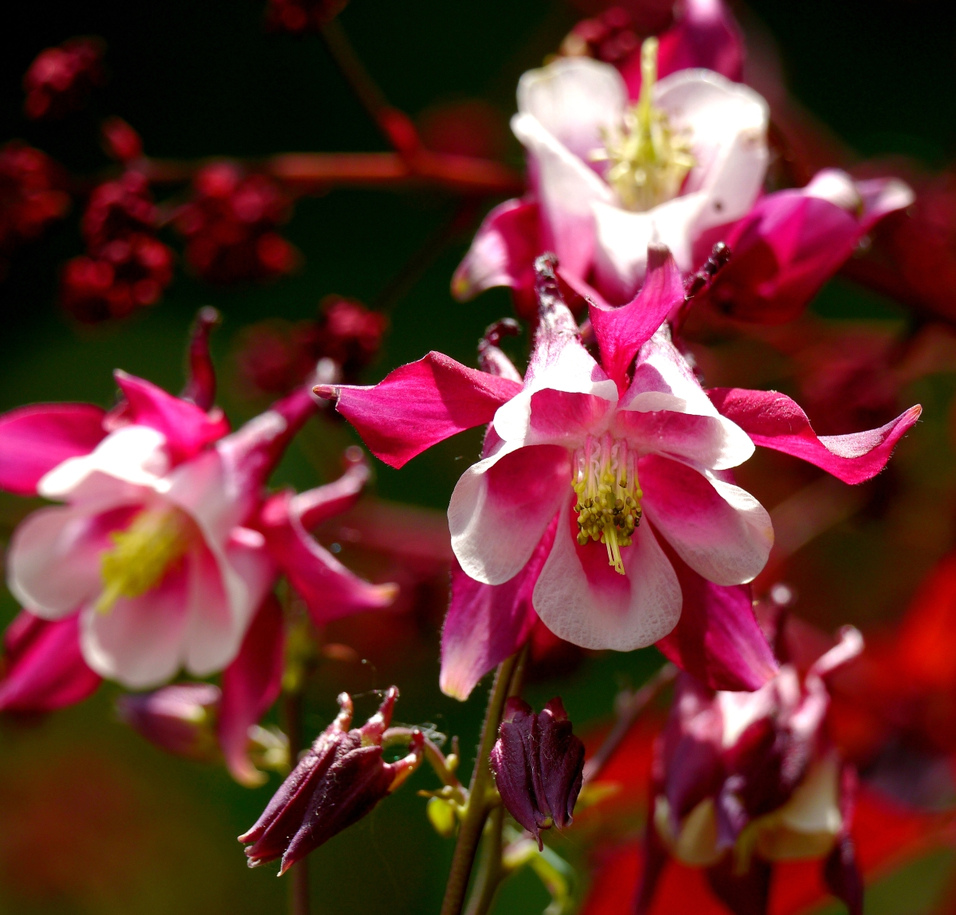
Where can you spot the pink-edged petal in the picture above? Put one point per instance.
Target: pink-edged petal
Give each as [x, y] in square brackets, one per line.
[774, 421]
[250, 684]
[582, 599]
[43, 668]
[718, 529]
[502, 506]
[717, 638]
[881, 196]
[564, 418]
[34, 440]
[329, 589]
[186, 427]
[420, 404]
[661, 369]
[657, 424]
[122, 465]
[621, 332]
[139, 643]
[53, 564]
[201, 384]
[727, 124]
[486, 624]
[502, 254]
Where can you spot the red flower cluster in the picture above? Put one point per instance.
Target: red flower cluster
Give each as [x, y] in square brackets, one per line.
[126, 266]
[230, 226]
[302, 15]
[61, 78]
[30, 196]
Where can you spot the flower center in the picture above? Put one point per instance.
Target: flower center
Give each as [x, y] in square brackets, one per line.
[142, 554]
[604, 475]
[647, 160]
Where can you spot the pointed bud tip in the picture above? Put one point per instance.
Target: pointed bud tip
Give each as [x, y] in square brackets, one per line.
[326, 391]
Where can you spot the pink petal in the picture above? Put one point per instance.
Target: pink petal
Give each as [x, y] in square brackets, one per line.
[250, 684]
[564, 418]
[502, 254]
[53, 564]
[201, 386]
[315, 506]
[621, 332]
[139, 643]
[718, 529]
[34, 440]
[774, 421]
[43, 668]
[329, 589]
[186, 427]
[502, 506]
[420, 404]
[582, 599]
[717, 638]
[705, 442]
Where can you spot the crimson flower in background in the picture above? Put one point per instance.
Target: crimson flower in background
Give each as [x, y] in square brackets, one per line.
[339, 781]
[60, 79]
[167, 543]
[588, 466]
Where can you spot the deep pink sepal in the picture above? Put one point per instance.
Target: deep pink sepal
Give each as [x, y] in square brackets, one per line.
[774, 421]
[35, 439]
[419, 405]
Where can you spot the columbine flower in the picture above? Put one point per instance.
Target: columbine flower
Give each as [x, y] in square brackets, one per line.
[744, 780]
[607, 459]
[610, 177]
[538, 765]
[339, 781]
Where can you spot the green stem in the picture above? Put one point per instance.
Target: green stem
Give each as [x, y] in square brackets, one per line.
[490, 872]
[473, 822]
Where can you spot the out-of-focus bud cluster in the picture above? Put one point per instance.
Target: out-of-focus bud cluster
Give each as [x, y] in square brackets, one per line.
[60, 79]
[610, 36]
[126, 266]
[342, 777]
[230, 226]
[538, 764]
[31, 196]
[274, 356]
[302, 15]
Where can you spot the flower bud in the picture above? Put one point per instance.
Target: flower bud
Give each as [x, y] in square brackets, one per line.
[340, 780]
[538, 765]
[179, 718]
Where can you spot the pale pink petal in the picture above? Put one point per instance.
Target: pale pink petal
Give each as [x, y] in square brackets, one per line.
[582, 599]
[502, 253]
[126, 462]
[486, 624]
[34, 440]
[657, 424]
[727, 124]
[881, 196]
[139, 643]
[662, 369]
[565, 418]
[186, 427]
[501, 507]
[250, 684]
[53, 563]
[774, 421]
[43, 668]
[420, 404]
[718, 529]
[622, 331]
[717, 638]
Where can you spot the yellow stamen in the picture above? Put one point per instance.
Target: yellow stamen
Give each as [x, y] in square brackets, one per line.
[648, 162]
[604, 476]
[143, 554]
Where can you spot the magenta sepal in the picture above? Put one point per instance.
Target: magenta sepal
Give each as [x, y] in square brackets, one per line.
[774, 421]
[250, 684]
[339, 781]
[201, 384]
[717, 638]
[35, 439]
[538, 764]
[420, 404]
[43, 669]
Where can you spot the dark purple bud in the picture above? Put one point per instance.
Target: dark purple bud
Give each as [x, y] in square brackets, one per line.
[339, 781]
[180, 718]
[538, 765]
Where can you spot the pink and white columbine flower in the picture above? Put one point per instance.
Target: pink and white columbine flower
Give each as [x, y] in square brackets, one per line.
[167, 542]
[609, 458]
[609, 177]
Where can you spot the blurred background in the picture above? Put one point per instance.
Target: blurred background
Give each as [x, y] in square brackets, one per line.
[94, 820]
